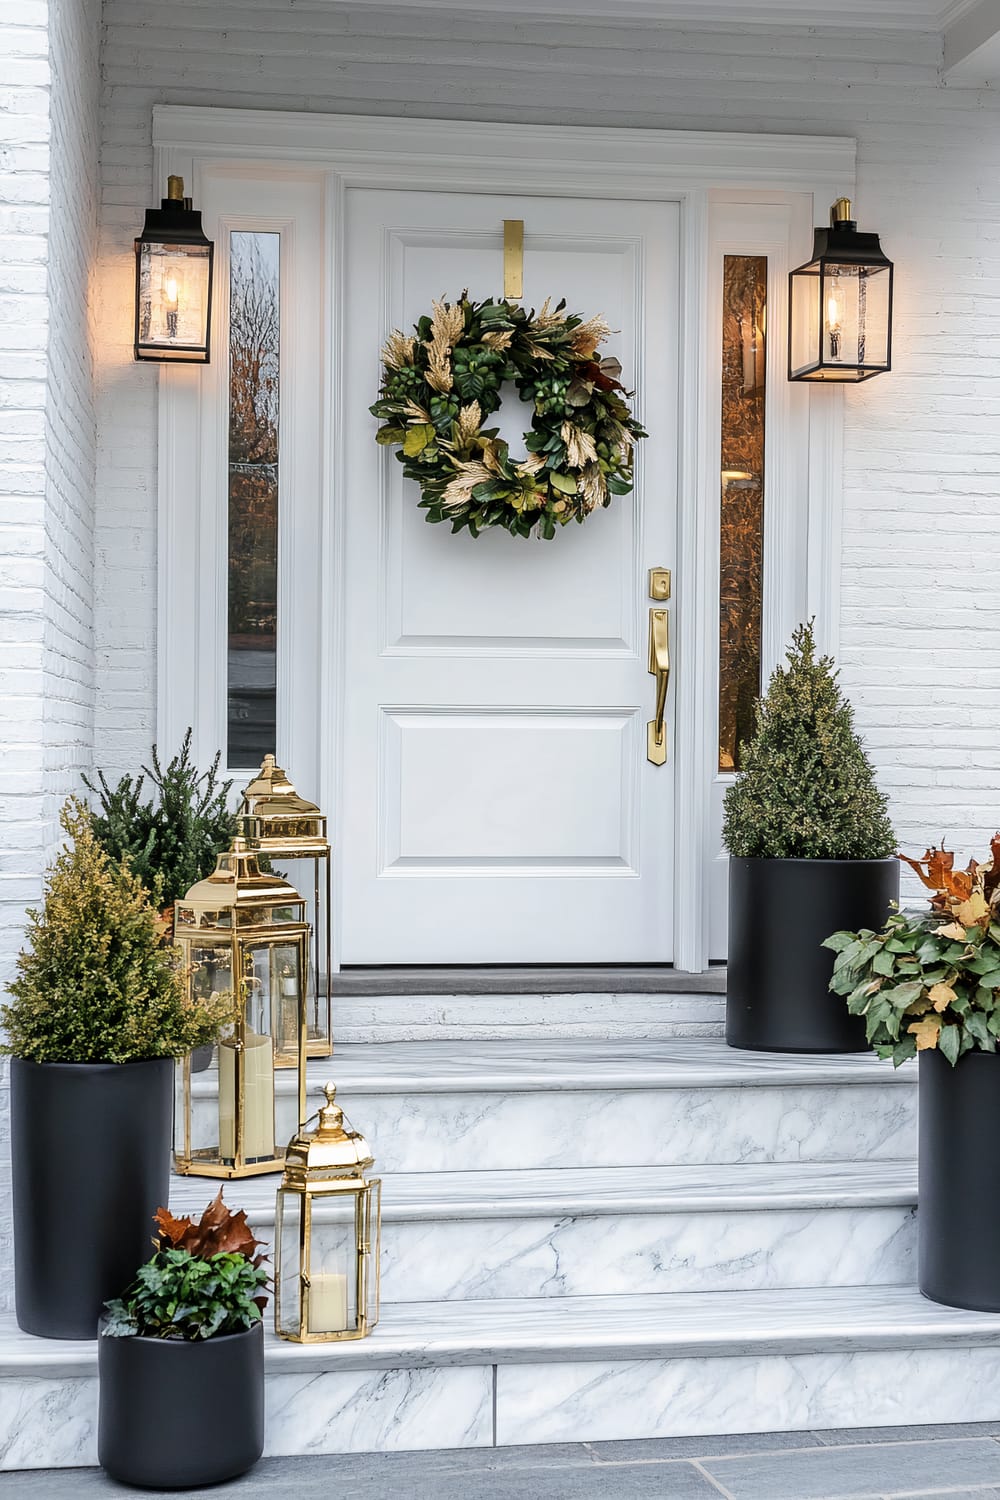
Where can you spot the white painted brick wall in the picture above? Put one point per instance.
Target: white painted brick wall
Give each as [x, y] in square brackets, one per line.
[921, 545]
[49, 148]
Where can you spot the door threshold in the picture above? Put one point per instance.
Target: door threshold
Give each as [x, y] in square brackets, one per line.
[522, 979]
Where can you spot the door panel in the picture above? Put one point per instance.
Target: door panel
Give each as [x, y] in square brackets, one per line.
[499, 806]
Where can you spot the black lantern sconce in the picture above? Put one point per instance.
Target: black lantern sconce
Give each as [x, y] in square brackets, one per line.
[173, 282]
[840, 305]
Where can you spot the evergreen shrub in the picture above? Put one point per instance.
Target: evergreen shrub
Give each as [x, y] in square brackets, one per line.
[806, 789]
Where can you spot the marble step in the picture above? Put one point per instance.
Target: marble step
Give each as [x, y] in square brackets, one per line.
[570, 1369]
[504, 1105]
[439, 1015]
[583, 1232]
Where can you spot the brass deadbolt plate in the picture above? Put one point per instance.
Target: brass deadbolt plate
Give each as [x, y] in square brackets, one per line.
[659, 583]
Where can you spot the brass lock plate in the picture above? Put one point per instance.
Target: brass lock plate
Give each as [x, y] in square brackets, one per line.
[659, 583]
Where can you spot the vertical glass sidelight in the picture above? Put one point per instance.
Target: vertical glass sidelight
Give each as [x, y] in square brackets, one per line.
[254, 347]
[741, 540]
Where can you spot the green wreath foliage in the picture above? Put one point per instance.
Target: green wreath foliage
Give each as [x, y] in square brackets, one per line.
[441, 385]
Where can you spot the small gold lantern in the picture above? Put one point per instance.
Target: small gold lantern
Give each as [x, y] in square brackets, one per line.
[243, 932]
[284, 826]
[327, 1233]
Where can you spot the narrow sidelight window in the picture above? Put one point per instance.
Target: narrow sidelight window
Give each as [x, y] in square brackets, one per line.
[254, 318]
[741, 577]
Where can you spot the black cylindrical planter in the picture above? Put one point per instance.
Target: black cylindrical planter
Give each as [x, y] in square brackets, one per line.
[958, 1203]
[175, 1414]
[90, 1157]
[780, 912]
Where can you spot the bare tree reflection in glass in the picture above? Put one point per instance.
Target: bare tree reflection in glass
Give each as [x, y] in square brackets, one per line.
[254, 348]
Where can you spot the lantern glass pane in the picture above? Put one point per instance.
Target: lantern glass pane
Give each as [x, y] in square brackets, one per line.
[286, 980]
[804, 314]
[333, 1264]
[253, 495]
[173, 297]
[375, 1243]
[741, 530]
[287, 1240]
[211, 969]
[855, 315]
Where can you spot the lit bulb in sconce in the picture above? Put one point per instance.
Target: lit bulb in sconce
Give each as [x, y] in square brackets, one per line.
[171, 301]
[835, 318]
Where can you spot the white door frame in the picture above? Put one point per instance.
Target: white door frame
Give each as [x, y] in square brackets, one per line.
[705, 172]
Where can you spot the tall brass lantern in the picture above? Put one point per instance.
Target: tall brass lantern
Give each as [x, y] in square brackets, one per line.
[327, 1234]
[243, 932]
[284, 826]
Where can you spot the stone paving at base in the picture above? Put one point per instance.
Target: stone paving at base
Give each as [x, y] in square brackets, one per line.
[953, 1462]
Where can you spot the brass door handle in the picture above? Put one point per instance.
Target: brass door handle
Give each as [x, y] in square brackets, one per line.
[659, 666]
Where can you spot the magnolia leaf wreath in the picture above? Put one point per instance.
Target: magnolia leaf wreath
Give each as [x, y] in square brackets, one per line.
[440, 387]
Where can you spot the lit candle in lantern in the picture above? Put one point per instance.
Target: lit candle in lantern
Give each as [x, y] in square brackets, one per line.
[328, 1303]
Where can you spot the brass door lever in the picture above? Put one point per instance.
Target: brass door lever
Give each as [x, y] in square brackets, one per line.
[659, 667]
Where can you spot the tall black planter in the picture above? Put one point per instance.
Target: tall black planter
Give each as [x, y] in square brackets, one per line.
[780, 911]
[958, 1213]
[176, 1414]
[90, 1156]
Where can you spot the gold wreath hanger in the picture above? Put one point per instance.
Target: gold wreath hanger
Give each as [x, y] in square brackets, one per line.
[513, 259]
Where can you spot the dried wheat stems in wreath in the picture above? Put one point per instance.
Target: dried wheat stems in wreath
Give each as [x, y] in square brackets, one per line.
[440, 386]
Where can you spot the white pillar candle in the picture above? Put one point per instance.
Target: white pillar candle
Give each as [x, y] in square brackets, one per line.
[328, 1303]
[258, 1098]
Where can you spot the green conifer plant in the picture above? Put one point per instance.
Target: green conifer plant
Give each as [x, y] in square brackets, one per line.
[806, 789]
[96, 983]
[172, 839]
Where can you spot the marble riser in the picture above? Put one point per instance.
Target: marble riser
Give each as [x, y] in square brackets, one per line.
[467, 1131]
[593, 1255]
[51, 1422]
[437, 1018]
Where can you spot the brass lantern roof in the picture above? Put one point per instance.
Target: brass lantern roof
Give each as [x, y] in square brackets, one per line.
[277, 819]
[238, 881]
[331, 1150]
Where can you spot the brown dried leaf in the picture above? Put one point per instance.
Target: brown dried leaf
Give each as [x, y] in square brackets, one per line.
[926, 1032]
[217, 1232]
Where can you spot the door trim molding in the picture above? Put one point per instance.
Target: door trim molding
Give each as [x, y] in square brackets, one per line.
[698, 169]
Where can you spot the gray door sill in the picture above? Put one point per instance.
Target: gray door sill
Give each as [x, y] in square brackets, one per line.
[518, 979]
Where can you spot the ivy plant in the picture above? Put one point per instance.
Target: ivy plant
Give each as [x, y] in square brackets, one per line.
[807, 789]
[205, 1280]
[930, 978]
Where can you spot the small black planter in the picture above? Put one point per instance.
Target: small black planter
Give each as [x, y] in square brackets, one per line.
[958, 1212]
[201, 1058]
[90, 1157]
[780, 911]
[176, 1414]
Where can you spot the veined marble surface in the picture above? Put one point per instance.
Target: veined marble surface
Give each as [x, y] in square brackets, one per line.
[475, 1235]
[510, 1129]
[511, 1064]
[591, 1402]
[540, 1193]
[422, 1335]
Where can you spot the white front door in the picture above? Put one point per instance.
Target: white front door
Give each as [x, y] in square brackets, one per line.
[499, 806]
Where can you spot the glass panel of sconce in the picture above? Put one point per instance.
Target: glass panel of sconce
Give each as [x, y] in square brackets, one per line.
[254, 351]
[741, 538]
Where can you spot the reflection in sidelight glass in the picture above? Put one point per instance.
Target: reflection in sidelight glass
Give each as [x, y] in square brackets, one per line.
[741, 540]
[253, 496]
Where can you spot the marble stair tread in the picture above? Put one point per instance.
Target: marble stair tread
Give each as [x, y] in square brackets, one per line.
[544, 1192]
[622, 1328]
[517, 1066]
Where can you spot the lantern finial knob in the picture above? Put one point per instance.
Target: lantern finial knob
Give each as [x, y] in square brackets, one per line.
[331, 1116]
[841, 213]
[175, 189]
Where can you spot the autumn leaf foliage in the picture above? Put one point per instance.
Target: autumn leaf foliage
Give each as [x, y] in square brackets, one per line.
[807, 789]
[930, 978]
[205, 1279]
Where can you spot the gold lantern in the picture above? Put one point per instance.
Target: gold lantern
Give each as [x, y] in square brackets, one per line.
[326, 1235]
[245, 933]
[283, 825]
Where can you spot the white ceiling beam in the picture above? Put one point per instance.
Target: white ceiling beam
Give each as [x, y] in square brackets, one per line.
[972, 44]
